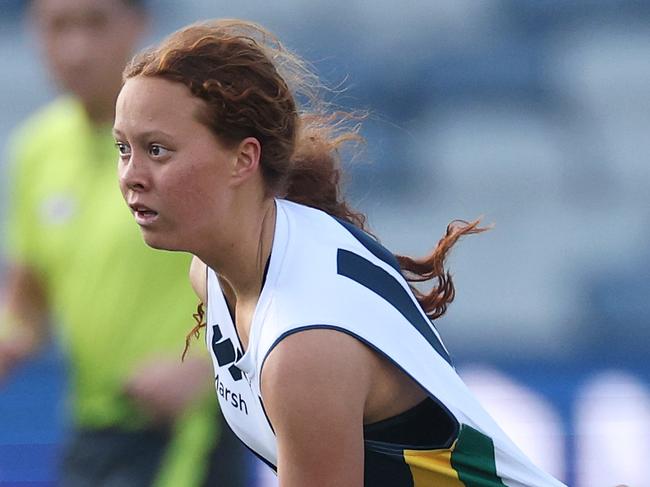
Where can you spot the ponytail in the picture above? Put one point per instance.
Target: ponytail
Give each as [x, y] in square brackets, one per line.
[435, 302]
[315, 173]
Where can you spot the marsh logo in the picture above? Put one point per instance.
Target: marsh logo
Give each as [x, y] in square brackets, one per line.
[225, 352]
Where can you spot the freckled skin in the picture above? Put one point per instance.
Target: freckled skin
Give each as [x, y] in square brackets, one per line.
[172, 164]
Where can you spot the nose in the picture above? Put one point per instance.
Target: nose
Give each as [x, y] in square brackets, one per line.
[133, 176]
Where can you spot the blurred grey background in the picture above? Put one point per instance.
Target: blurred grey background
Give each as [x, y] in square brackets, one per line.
[533, 114]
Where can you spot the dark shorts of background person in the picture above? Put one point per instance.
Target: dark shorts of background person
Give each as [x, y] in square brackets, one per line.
[118, 458]
[112, 458]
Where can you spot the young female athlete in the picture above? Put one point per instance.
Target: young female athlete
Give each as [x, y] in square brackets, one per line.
[327, 364]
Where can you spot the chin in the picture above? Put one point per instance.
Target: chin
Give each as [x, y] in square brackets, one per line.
[155, 241]
[158, 241]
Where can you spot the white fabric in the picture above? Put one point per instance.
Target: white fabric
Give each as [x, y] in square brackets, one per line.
[303, 288]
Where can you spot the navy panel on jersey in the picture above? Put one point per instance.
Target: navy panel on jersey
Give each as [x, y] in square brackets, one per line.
[224, 351]
[380, 282]
[371, 244]
[216, 334]
[235, 372]
[385, 470]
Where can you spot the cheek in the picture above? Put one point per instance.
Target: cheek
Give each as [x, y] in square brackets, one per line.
[194, 184]
[198, 197]
[183, 191]
[120, 178]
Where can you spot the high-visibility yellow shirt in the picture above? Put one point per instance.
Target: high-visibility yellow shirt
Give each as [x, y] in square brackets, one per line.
[115, 301]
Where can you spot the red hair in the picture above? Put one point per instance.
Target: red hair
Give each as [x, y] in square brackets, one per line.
[198, 316]
[252, 86]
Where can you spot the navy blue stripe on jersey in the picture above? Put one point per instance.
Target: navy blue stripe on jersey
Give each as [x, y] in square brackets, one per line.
[380, 282]
[378, 250]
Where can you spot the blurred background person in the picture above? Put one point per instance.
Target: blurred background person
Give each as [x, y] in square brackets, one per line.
[533, 114]
[140, 417]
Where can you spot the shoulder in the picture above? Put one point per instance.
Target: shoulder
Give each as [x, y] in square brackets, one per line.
[314, 239]
[312, 347]
[314, 390]
[320, 274]
[329, 232]
[325, 260]
[304, 219]
[316, 367]
[57, 116]
[51, 126]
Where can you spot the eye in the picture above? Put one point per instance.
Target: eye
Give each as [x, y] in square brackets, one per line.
[123, 149]
[157, 151]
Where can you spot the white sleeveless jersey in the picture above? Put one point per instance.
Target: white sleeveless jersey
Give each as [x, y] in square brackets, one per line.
[324, 273]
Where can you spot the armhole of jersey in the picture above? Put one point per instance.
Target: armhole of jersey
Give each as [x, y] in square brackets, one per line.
[377, 350]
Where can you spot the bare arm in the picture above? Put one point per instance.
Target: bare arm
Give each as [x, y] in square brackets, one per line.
[314, 386]
[165, 387]
[25, 310]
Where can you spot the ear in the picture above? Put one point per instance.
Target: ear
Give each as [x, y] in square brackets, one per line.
[247, 161]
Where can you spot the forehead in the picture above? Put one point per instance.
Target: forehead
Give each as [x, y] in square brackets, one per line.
[73, 9]
[149, 103]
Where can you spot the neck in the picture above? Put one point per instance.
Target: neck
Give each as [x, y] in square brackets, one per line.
[241, 261]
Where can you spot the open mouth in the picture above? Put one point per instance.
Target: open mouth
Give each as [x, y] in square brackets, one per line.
[143, 215]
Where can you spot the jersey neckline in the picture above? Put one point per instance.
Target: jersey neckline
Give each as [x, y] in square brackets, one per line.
[246, 362]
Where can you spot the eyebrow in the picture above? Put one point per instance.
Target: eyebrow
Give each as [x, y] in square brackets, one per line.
[144, 135]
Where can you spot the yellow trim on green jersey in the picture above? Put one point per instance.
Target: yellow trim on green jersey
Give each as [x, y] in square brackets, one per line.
[470, 462]
[432, 467]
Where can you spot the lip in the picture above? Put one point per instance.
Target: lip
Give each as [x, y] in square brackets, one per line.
[144, 216]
